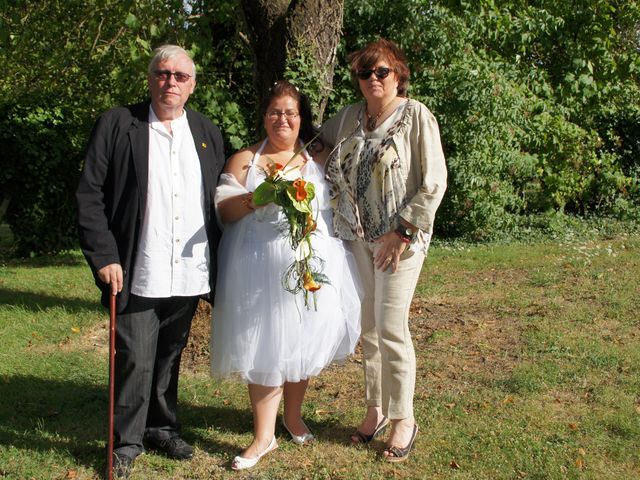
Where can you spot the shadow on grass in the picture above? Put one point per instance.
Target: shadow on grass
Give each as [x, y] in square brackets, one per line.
[330, 431]
[37, 302]
[70, 417]
[43, 415]
[68, 259]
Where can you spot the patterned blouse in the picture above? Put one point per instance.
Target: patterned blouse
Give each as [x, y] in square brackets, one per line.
[377, 177]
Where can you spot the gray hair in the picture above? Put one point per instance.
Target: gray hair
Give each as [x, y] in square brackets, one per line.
[165, 52]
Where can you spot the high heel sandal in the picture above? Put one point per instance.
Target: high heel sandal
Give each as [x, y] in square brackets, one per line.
[364, 438]
[304, 439]
[242, 463]
[398, 454]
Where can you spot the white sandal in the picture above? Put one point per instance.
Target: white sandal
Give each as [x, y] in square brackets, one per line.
[304, 439]
[241, 463]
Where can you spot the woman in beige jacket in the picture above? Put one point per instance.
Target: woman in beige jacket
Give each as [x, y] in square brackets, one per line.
[387, 176]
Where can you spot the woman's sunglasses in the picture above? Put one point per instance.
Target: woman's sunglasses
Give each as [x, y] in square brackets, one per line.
[380, 73]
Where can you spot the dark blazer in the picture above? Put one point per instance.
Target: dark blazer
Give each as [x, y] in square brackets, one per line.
[112, 192]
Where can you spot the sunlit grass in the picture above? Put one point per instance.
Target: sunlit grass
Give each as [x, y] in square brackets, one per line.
[528, 368]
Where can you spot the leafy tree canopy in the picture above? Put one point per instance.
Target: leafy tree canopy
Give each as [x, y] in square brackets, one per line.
[537, 100]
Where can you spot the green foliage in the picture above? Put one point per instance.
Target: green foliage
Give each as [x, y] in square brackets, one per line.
[38, 179]
[69, 61]
[225, 90]
[537, 101]
[300, 71]
[535, 104]
[72, 60]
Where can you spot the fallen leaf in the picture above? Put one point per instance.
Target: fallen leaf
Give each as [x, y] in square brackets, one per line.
[75, 329]
[454, 465]
[522, 474]
[226, 401]
[582, 451]
[579, 463]
[72, 474]
[323, 412]
[573, 426]
[508, 399]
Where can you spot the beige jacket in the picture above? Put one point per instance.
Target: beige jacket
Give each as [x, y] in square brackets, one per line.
[418, 146]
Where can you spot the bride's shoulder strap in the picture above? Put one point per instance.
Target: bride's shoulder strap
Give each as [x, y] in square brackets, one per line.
[256, 156]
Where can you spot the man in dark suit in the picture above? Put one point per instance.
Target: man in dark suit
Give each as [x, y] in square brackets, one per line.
[148, 231]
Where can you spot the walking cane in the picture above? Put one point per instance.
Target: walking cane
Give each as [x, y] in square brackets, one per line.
[112, 356]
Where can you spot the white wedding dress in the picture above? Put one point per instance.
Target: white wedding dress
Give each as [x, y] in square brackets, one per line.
[261, 333]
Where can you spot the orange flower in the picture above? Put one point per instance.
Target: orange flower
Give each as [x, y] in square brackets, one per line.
[301, 193]
[274, 167]
[309, 283]
[310, 225]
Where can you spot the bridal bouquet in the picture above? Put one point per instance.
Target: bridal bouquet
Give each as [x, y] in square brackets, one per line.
[294, 195]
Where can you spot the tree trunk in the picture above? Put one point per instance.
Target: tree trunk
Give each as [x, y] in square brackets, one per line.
[299, 38]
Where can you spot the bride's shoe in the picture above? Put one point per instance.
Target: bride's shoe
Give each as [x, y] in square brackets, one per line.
[241, 463]
[303, 439]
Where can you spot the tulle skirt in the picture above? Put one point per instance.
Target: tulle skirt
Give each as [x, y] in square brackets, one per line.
[262, 334]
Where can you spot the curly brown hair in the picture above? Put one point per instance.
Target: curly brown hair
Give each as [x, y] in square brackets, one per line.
[368, 56]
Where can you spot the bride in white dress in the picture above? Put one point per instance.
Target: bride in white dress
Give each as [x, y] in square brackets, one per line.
[262, 334]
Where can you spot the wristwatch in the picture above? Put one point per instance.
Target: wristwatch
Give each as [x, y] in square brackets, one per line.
[405, 232]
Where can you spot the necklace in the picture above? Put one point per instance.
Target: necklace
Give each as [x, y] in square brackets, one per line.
[372, 122]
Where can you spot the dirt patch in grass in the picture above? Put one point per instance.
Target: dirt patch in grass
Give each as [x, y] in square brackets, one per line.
[462, 339]
[196, 355]
[96, 338]
[459, 337]
[455, 338]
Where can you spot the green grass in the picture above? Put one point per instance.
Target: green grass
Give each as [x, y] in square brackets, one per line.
[528, 367]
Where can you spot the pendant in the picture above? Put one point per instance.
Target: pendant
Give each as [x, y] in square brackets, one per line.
[371, 124]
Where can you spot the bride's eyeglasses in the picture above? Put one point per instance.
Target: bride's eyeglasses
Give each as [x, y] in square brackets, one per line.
[274, 115]
[380, 73]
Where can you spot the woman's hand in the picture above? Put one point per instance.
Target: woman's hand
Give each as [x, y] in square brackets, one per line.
[390, 250]
[235, 208]
[247, 201]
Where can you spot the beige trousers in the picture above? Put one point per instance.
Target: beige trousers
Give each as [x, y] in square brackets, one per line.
[388, 357]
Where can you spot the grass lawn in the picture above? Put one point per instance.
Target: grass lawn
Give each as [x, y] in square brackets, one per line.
[528, 368]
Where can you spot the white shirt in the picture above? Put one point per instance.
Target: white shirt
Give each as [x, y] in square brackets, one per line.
[173, 251]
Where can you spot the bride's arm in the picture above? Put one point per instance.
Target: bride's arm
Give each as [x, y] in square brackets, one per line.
[231, 207]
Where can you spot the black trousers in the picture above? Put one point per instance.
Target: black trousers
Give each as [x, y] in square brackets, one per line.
[150, 336]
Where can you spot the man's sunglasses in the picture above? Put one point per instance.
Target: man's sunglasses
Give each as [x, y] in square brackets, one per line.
[165, 75]
[380, 73]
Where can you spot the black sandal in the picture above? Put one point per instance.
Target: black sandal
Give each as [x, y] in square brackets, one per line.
[397, 454]
[364, 438]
